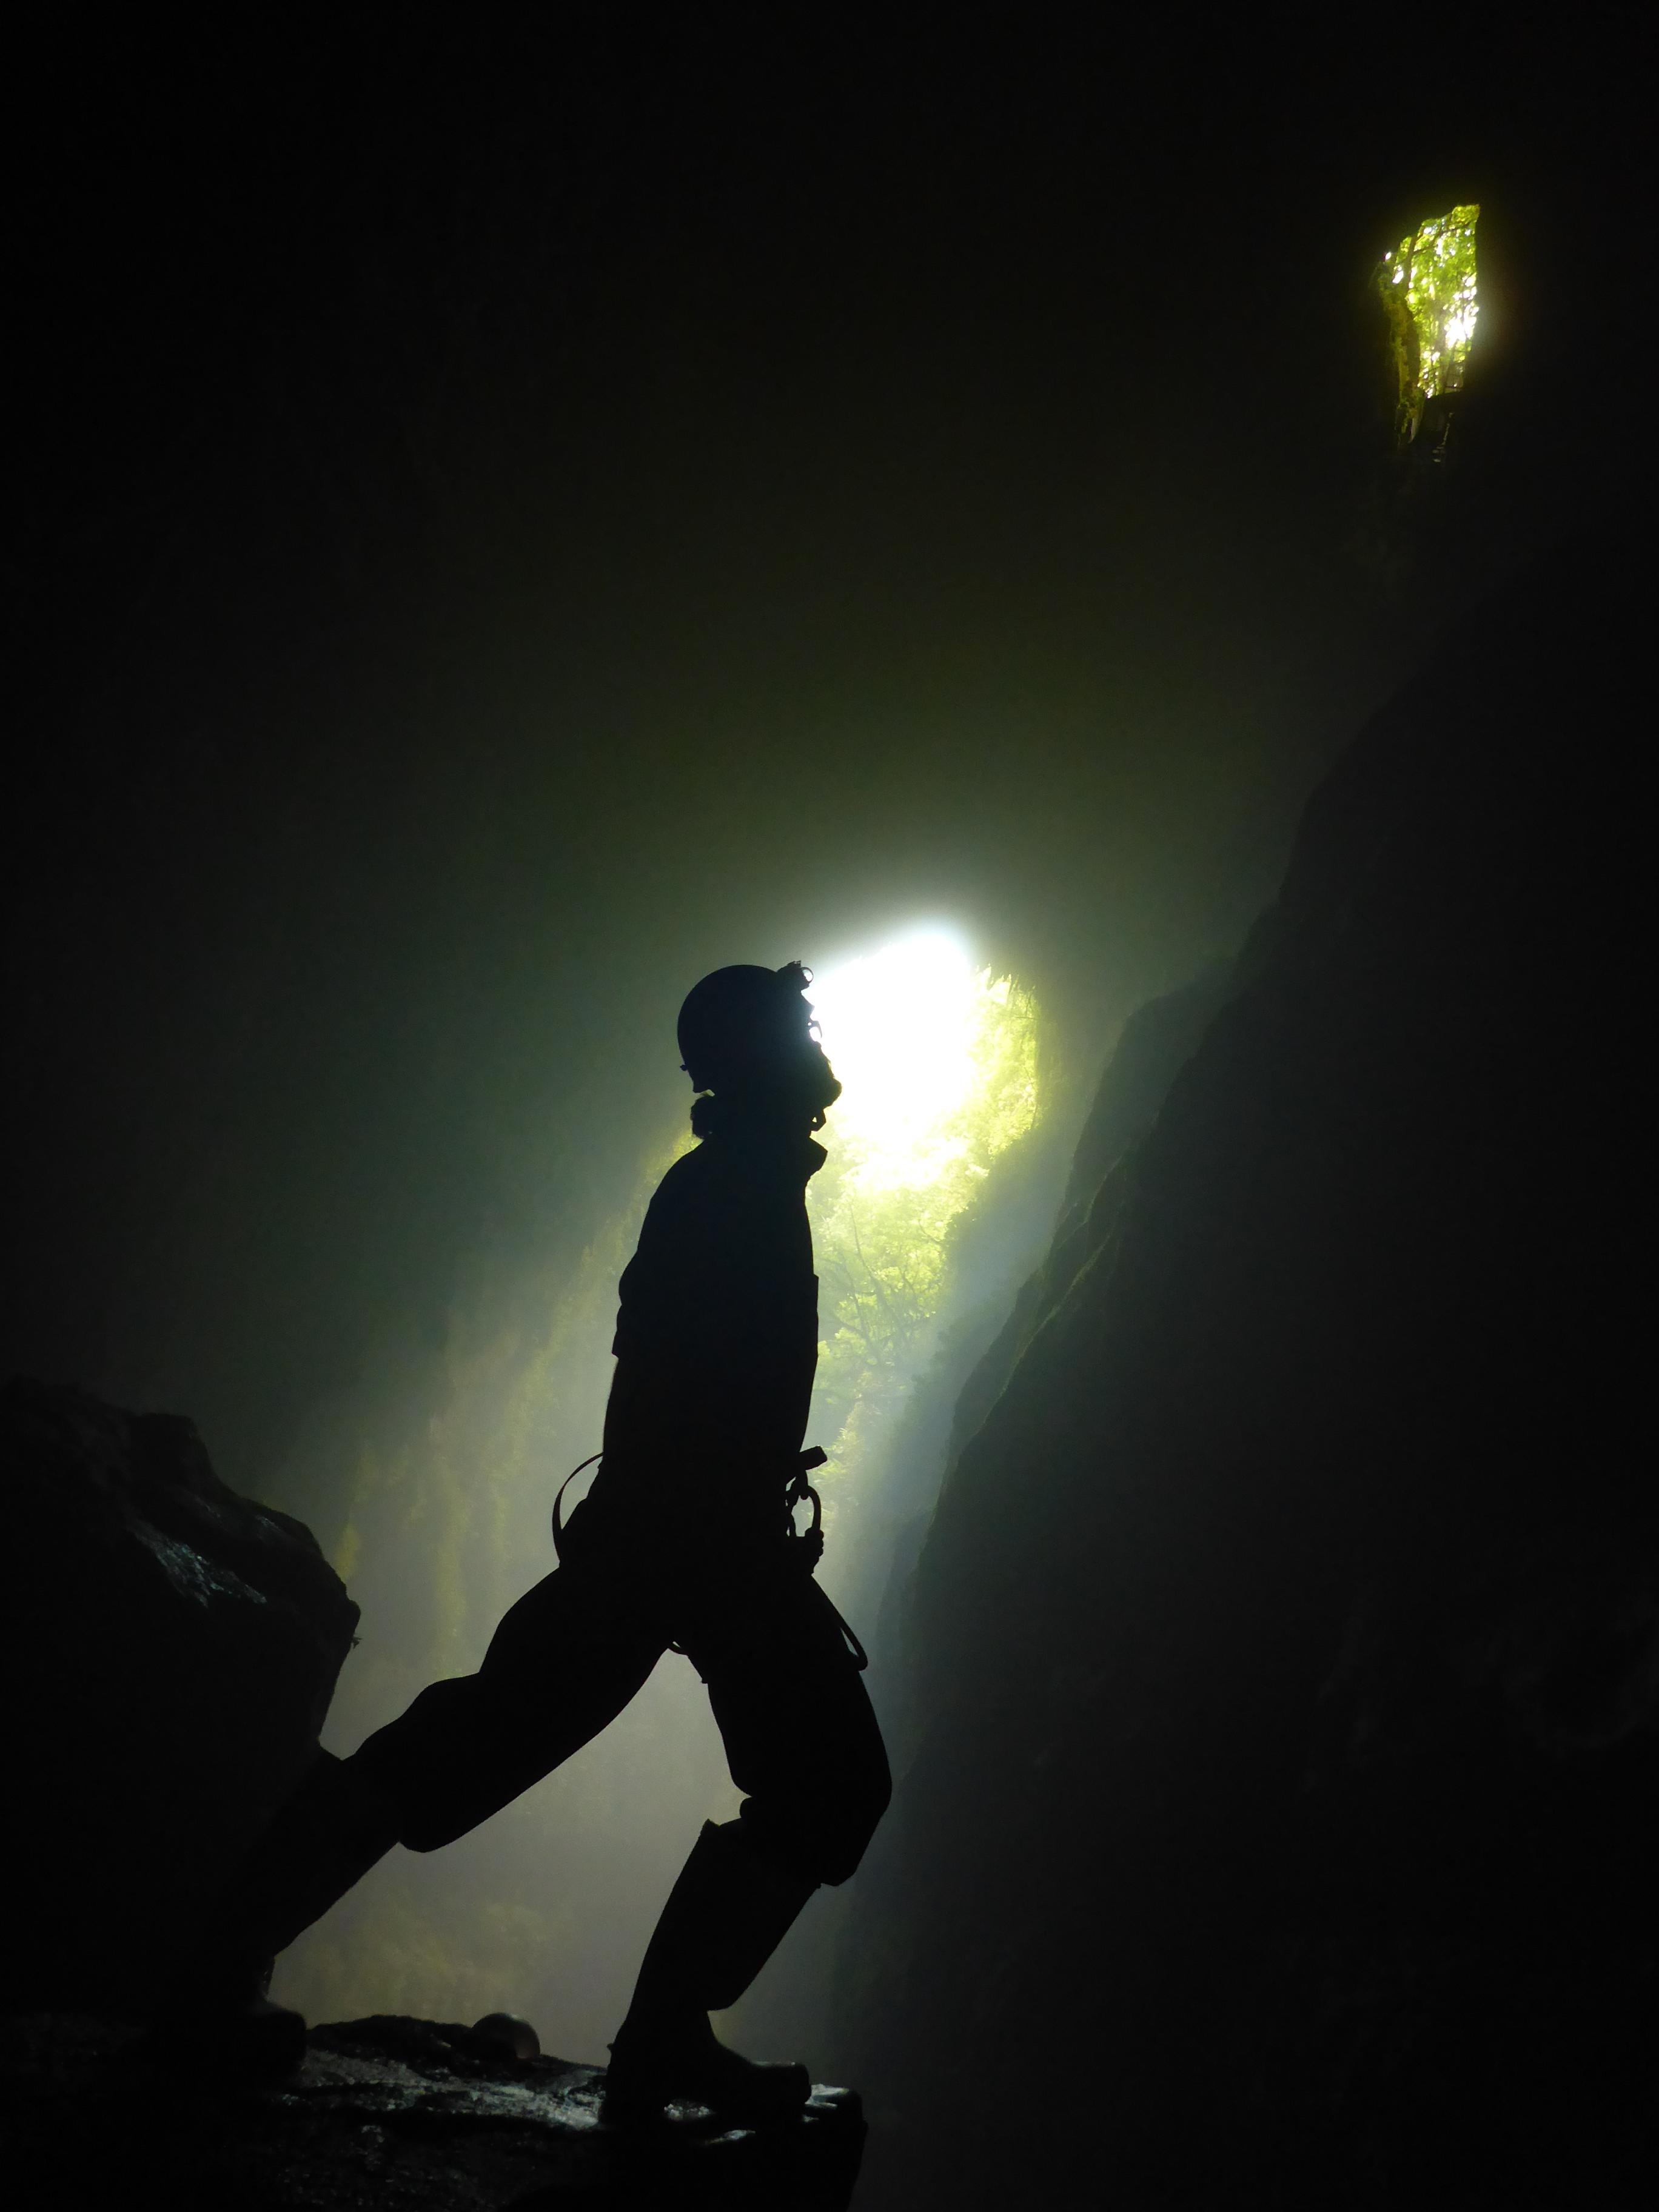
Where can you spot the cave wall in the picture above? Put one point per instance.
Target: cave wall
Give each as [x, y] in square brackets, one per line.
[1274, 1826]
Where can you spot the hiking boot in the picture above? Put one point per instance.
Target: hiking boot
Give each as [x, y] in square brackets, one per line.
[333, 1828]
[690, 2066]
[730, 1909]
[227, 2028]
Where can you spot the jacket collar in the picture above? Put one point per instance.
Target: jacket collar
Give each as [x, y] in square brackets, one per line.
[737, 1136]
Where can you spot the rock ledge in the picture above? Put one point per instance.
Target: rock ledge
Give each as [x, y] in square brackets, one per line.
[402, 2115]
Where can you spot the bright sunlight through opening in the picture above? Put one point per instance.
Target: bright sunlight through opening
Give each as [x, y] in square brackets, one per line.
[938, 1061]
[898, 1026]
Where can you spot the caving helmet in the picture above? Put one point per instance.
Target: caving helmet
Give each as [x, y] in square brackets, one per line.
[749, 1030]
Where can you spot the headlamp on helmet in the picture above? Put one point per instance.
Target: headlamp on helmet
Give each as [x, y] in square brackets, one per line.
[741, 1022]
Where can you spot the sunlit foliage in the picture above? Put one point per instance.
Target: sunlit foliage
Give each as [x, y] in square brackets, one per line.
[1428, 288]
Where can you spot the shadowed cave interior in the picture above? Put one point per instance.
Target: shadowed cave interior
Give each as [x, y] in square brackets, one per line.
[1216, 833]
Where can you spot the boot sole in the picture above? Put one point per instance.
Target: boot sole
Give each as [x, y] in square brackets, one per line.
[627, 2105]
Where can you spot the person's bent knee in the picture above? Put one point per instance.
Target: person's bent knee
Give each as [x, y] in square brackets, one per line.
[826, 1842]
[856, 1816]
[847, 1841]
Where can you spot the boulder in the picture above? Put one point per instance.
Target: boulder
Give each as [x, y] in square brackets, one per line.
[175, 1650]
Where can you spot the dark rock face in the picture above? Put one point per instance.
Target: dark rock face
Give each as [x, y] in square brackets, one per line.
[175, 1650]
[1157, 1043]
[387, 2112]
[1286, 1647]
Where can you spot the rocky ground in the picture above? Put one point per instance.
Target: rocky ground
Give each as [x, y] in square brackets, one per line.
[392, 2113]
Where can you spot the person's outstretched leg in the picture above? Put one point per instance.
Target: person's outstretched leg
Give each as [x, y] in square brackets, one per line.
[563, 1663]
[801, 1738]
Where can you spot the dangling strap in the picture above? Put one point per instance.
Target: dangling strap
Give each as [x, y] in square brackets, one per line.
[558, 1505]
[801, 1492]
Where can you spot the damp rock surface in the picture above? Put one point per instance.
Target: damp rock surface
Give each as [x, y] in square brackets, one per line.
[172, 1648]
[401, 2115]
[1279, 1732]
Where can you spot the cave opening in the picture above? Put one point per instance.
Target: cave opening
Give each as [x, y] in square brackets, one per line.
[938, 1056]
[1430, 291]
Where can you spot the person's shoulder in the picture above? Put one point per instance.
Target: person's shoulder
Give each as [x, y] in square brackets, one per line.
[686, 1183]
[691, 1170]
[689, 1209]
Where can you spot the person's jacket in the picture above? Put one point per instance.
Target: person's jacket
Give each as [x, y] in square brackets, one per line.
[717, 1333]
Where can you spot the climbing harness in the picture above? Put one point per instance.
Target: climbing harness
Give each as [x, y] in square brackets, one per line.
[806, 1550]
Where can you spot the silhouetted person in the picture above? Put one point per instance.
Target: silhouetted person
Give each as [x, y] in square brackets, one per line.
[685, 1538]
